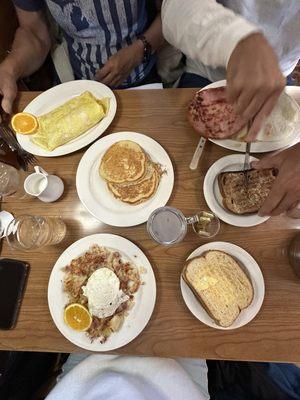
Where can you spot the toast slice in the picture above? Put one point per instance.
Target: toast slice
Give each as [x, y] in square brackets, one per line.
[220, 284]
[241, 199]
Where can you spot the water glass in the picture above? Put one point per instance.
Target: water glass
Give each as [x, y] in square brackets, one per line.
[168, 225]
[29, 232]
[9, 179]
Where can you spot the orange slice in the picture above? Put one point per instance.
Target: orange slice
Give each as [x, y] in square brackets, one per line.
[77, 317]
[24, 123]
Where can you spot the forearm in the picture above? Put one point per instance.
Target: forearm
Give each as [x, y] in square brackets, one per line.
[154, 33]
[203, 30]
[29, 50]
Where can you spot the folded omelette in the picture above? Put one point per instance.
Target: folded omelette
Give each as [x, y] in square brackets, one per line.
[70, 120]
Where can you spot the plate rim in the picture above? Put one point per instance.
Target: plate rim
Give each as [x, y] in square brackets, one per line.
[258, 147]
[59, 151]
[90, 239]
[226, 216]
[111, 140]
[210, 246]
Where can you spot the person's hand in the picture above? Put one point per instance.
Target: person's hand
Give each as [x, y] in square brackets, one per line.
[119, 66]
[254, 80]
[285, 193]
[8, 89]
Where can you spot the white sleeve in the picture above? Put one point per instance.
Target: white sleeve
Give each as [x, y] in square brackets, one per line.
[204, 30]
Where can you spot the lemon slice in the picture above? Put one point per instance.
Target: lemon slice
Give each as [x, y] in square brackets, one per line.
[77, 317]
[24, 123]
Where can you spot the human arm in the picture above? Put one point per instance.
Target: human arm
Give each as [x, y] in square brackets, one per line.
[285, 193]
[213, 35]
[119, 66]
[29, 50]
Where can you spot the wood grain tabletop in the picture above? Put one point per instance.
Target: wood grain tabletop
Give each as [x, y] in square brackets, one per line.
[274, 334]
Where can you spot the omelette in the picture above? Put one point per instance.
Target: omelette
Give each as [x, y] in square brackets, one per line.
[70, 120]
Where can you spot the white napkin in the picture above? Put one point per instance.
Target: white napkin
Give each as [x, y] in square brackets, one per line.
[105, 377]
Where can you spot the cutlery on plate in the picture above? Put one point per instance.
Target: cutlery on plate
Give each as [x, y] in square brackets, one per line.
[198, 152]
[9, 137]
[247, 162]
[247, 166]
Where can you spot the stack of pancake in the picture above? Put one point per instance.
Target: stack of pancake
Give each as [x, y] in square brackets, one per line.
[131, 175]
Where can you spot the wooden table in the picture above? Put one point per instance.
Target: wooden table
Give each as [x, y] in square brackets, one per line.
[273, 335]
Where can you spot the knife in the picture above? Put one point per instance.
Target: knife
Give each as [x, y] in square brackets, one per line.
[198, 152]
[247, 154]
[247, 162]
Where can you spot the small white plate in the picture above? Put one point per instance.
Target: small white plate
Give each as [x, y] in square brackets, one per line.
[213, 196]
[95, 196]
[259, 147]
[138, 316]
[58, 95]
[253, 272]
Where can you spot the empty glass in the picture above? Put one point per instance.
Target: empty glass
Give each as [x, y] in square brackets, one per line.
[167, 225]
[29, 232]
[9, 179]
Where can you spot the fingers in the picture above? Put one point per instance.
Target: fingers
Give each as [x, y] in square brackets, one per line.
[286, 203]
[9, 92]
[243, 102]
[294, 211]
[233, 91]
[262, 114]
[108, 79]
[269, 161]
[102, 73]
[276, 195]
[248, 105]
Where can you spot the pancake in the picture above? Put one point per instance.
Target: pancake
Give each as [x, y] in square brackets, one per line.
[138, 191]
[124, 161]
[69, 120]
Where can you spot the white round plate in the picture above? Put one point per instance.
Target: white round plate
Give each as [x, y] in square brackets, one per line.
[254, 273]
[138, 316]
[58, 95]
[259, 147]
[95, 196]
[213, 196]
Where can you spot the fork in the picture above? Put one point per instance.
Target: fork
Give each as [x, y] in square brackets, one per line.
[247, 155]
[24, 157]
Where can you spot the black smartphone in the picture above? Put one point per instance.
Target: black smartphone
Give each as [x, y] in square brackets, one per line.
[13, 277]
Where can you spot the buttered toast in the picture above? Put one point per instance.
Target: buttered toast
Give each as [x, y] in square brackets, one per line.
[220, 284]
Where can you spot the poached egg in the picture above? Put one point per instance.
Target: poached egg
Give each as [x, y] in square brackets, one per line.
[103, 293]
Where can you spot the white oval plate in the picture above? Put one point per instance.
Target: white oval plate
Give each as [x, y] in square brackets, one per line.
[97, 199]
[213, 197]
[259, 147]
[138, 316]
[253, 272]
[58, 95]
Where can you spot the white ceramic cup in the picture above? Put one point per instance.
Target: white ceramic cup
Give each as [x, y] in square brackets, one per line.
[45, 187]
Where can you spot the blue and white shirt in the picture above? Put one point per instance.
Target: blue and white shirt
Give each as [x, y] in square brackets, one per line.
[95, 30]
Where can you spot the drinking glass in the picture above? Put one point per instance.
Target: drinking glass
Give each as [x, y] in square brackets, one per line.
[9, 179]
[29, 232]
[168, 225]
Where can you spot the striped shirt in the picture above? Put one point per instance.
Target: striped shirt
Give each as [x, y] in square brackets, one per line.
[95, 30]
